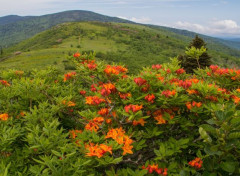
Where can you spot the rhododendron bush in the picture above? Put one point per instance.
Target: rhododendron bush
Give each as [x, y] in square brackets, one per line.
[99, 120]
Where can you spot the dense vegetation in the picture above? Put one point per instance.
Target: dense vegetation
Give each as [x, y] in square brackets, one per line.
[134, 45]
[99, 120]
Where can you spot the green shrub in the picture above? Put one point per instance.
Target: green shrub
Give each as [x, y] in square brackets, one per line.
[100, 121]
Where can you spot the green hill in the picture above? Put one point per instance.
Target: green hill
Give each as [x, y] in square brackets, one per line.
[131, 44]
[14, 29]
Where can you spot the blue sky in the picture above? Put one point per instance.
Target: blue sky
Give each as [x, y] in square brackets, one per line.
[211, 17]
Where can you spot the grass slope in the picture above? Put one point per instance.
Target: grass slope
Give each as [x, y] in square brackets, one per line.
[14, 29]
[131, 44]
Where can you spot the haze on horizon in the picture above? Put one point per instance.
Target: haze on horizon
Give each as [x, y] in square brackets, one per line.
[220, 18]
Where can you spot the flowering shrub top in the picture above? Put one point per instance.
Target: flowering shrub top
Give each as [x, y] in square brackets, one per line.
[98, 120]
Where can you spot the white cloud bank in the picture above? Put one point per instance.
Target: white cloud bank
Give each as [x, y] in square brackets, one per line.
[137, 20]
[220, 27]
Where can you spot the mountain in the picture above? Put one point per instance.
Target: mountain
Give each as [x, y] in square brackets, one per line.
[231, 43]
[10, 19]
[132, 44]
[232, 39]
[14, 29]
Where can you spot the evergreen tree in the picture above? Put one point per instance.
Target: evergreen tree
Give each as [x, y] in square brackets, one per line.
[189, 63]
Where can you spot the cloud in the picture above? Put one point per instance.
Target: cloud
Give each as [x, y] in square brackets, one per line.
[216, 27]
[137, 20]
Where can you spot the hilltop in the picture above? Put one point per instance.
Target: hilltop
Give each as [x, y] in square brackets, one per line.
[132, 44]
[14, 29]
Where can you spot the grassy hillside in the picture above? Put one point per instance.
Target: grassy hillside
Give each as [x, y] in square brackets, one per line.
[14, 29]
[131, 44]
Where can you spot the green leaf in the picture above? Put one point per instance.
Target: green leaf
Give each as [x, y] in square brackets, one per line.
[56, 153]
[220, 115]
[117, 160]
[208, 150]
[234, 135]
[204, 135]
[6, 170]
[228, 166]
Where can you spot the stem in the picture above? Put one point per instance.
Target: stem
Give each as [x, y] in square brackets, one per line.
[198, 63]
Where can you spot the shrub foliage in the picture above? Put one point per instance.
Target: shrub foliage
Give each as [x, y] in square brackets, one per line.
[191, 61]
[98, 120]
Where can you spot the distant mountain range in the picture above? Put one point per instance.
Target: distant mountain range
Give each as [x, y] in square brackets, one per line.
[14, 29]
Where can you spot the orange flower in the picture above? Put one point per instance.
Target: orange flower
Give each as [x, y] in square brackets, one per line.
[236, 99]
[140, 81]
[157, 66]
[212, 98]
[69, 76]
[124, 95]
[150, 98]
[190, 92]
[154, 168]
[180, 71]
[196, 163]
[82, 92]
[158, 115]
[140, 121]
[193, 104]
[22, 113]
[96, 150]
[168, 93]
[98, 120]
[92, 66]
[103, 112]
[119, 136]
[114, 114]
[189, 105]
[5, 83]
[106, 148]
[160, 119]
[115, 133]
[108, 121]
[238, 90]
[4, 117]
[133, 108]
[127, 149]
[69, 103]
[74, 133]
[199, 104]
[76, 55]
[107, 89]
[185, 84]
[94, 100]
[160, 78]
[91, 126]
[115, 70]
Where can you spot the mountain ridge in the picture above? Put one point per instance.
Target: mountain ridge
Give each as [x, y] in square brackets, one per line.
[14, 28]
[12, 33]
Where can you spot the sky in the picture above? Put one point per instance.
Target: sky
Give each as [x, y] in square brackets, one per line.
[220, 18]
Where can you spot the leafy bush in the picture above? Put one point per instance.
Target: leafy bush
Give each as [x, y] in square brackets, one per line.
[100, 121]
